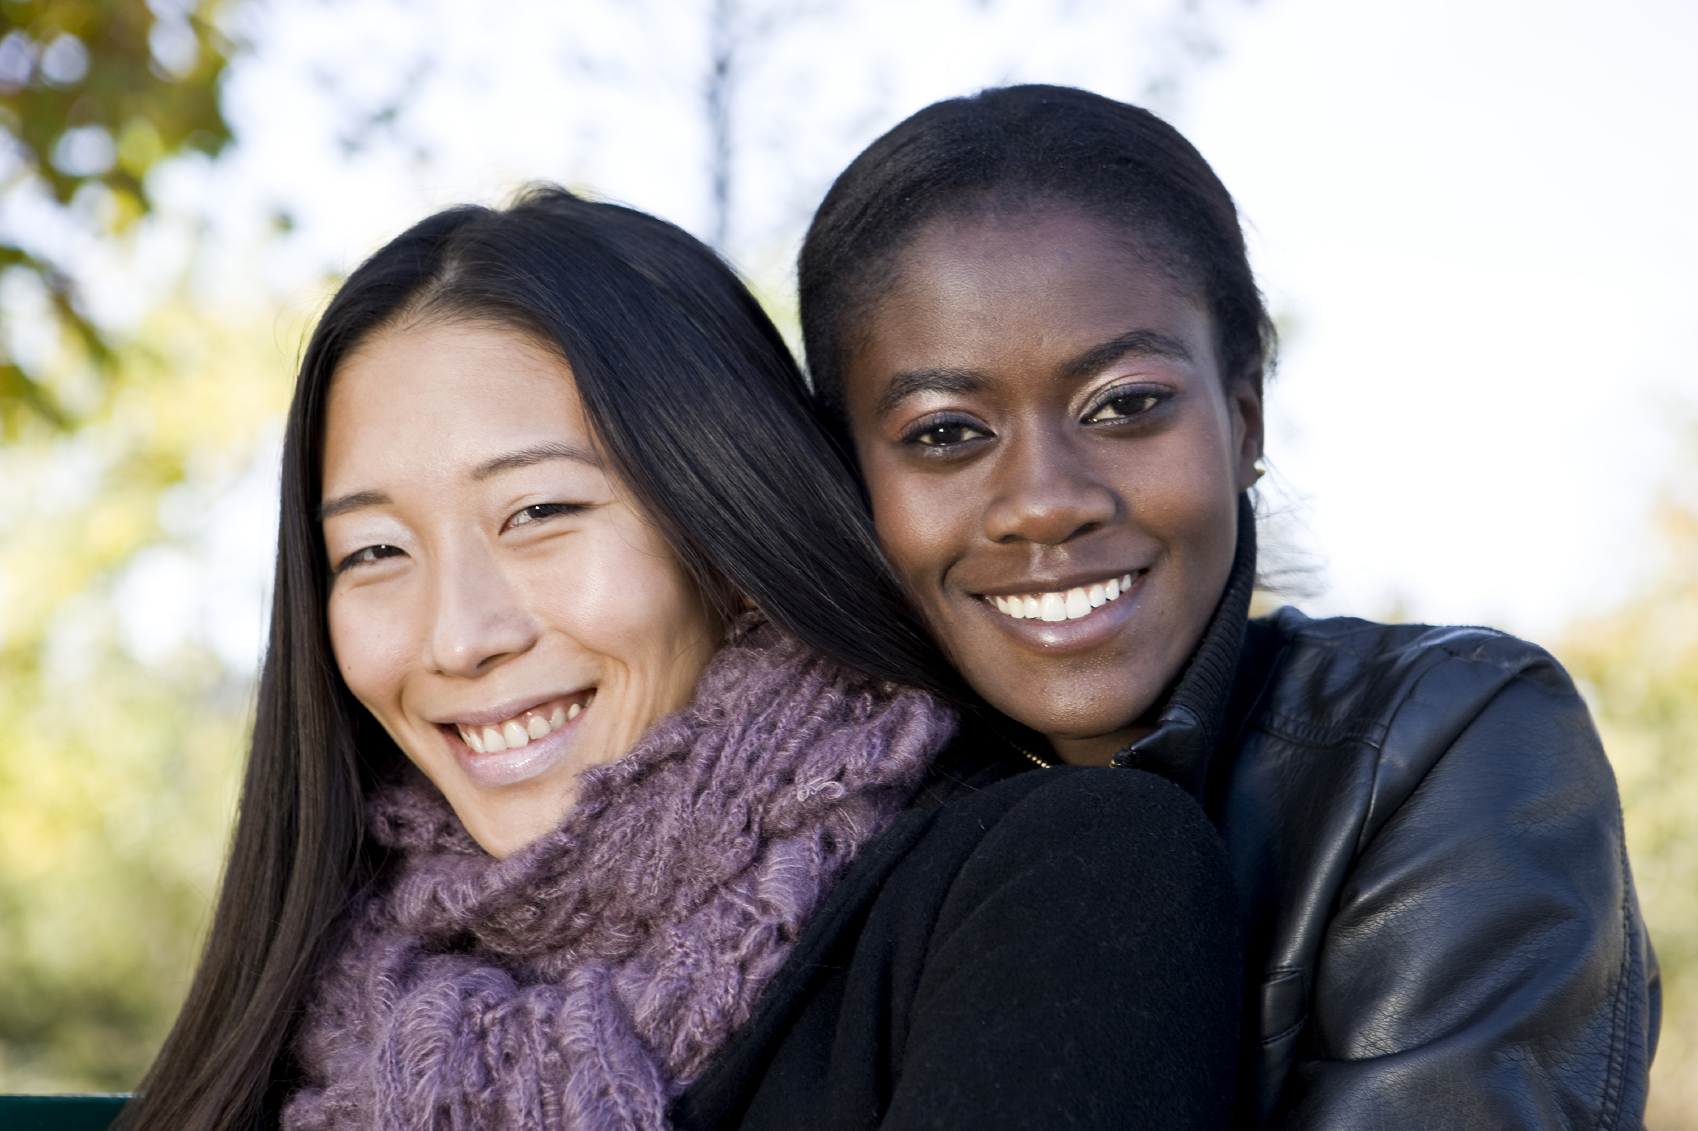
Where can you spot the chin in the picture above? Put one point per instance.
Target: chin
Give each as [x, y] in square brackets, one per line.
[1069, 722]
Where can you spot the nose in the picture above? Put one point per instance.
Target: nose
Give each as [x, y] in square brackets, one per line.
[1046, 493]
[478, 619]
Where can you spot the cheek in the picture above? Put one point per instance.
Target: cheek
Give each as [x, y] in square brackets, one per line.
[624, 598]
[1187, 481]
[369, 643]
[915, 520]
[1188, 501]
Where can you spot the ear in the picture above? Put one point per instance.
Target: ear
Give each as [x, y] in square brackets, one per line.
[1244, 404]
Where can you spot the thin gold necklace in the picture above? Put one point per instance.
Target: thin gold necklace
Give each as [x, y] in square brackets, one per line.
[1042, 765]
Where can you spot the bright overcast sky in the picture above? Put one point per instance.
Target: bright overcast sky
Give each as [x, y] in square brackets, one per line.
[1474, 218]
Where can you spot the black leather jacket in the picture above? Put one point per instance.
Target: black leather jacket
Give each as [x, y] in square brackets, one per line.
[1441, 925]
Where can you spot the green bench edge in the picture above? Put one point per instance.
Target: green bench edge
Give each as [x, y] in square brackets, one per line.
[60, 1113]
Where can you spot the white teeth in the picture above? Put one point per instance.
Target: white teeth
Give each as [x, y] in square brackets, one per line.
[1062, 605]
[521, 730]
[1054, 607]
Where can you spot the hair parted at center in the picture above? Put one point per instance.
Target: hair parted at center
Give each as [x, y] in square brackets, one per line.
[702, 413]
[1015, 146]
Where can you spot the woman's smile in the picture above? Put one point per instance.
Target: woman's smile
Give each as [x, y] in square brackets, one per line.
[1054, 463]
[503, 746]
[1062, 603]
[500, 604]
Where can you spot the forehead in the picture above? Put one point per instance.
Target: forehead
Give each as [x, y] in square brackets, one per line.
[424, 397]
[992, 286]
[480, 374]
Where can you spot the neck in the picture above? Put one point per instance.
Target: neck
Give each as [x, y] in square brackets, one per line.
[1099, 749]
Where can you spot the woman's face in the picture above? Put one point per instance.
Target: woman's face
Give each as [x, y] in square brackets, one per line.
[499, 602]
[1054, 463]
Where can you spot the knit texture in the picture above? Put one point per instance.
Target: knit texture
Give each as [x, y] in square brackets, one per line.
[585, 980]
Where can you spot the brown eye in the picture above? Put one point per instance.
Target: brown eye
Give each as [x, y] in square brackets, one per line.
[945, 433]
[940, 435]
[369, 554]
[540, 511]
[1124, 407]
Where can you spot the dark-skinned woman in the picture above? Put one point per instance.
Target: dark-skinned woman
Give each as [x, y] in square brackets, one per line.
[1033, 315]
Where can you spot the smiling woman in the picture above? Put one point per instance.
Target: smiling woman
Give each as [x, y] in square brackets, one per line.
[448, 615]
[603, 778]
[1032, 312]
[981, 474]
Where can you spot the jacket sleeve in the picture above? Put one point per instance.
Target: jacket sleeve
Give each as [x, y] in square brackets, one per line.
[1486, 965]
[1062, 987]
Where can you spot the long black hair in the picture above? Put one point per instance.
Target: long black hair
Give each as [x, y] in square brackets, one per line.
[703, 413]
[1025, 145]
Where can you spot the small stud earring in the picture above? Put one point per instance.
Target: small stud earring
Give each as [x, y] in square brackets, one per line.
[1260, 467]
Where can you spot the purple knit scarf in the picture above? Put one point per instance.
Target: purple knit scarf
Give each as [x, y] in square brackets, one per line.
[585, 980]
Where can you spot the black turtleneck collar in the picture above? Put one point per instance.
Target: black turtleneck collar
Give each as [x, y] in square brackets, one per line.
[1192, 720]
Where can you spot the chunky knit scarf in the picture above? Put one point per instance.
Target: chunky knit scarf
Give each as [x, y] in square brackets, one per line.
[585, 980]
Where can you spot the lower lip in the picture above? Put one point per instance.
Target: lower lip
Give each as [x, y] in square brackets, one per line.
[508, 767]
[1092, 630]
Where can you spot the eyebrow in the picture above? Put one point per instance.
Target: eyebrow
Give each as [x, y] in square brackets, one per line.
[354, 502]
[1138, 343]
[913, 382]
[1141, 343]
[525, 457]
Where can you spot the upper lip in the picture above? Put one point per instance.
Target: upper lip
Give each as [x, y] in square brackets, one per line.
[503, 711]
[1080, 580]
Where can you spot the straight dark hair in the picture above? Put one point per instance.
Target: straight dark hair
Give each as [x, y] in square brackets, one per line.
[1017, 146]
[702, 412]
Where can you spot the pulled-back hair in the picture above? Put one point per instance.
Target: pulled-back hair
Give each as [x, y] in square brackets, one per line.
[699, 406]
[1007, 148]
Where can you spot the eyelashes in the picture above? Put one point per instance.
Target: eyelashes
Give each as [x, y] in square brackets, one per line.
[539, 512]
[365, 555]
[945, 431]
[1126, 404]
[948, 431]
[528, 516]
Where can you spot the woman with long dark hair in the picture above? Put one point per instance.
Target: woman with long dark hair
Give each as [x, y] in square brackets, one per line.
[599, 775]
[1032, 314]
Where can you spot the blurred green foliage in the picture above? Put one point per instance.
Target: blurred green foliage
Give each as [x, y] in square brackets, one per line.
[94, 94]
[1639, 668]
[117, 777]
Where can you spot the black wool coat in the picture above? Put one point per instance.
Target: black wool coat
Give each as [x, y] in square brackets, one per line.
[1049, 949]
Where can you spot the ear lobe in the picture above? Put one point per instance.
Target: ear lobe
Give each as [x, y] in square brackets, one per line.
[1244, 401]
